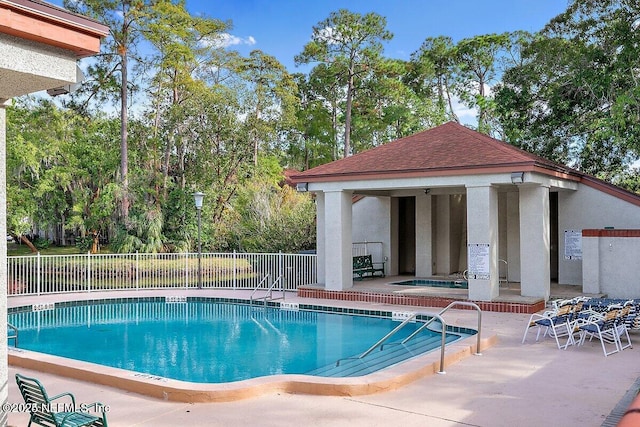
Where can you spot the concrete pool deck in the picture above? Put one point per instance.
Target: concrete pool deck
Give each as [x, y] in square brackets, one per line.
[510, 384]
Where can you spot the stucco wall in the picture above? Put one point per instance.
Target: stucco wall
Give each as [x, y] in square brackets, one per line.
[40, 67]
[588, 208]
[611, 264]
[371, 223]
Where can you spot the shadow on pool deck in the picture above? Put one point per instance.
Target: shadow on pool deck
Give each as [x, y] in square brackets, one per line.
[530, 384]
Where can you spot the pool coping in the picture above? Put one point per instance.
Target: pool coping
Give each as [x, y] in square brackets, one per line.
[387, 379]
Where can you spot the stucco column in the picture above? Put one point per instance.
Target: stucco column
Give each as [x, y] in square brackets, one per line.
[535, 267]
[482, 230]
[4, 369]
[424, 258]
[337, 240]
[320, 233]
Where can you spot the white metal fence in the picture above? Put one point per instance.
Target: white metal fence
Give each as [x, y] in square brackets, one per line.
[47, 274]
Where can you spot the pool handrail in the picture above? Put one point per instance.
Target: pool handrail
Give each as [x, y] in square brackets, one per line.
[444, 328]
[381, 340]
[257, 287]
[437, 316]
[426, 324]
[14, 335]
[269, 294]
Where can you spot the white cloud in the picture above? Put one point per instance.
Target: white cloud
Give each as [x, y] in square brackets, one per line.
[225, 40]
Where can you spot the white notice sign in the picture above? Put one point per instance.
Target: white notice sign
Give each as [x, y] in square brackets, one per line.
[572, 244]
[479, 261]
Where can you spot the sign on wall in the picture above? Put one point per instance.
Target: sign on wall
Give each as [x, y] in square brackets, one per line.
[572, 244]
[478, 255]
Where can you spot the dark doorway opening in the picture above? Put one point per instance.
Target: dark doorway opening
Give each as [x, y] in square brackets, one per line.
[407, 235]
[553, 238]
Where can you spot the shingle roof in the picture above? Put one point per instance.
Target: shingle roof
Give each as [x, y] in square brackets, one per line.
[449, 149]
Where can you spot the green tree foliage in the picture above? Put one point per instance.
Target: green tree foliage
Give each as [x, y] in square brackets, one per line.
[207, 119]
[387, 109]
[431, 75]
[274, 218]
[314, 140]
[61, 169]
[477, 59]
[270, 100]
[574, 97]
[352, 44]
[111, 71]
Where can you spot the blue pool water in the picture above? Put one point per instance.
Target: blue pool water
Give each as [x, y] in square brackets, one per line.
[205, 342]
[453, 284]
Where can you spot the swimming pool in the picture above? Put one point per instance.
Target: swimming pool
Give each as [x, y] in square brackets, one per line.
[208, 341]
[453, 284]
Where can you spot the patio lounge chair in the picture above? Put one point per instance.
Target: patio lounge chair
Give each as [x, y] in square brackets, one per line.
[56, 411]
[555, 322]
[606, 328]
[622, 324]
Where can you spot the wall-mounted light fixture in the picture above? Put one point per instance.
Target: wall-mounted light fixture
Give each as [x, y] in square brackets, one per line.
[427, 190]
[302, 187]
[63, 90]
[517, 177]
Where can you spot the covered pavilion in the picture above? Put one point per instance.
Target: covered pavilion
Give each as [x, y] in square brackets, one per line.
[449, 200]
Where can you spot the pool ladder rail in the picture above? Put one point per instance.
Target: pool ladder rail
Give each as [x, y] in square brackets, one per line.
[269, 294]
[443, 332]
[12, 334]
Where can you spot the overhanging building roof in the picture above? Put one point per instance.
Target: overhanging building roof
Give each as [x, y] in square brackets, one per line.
[45, 23]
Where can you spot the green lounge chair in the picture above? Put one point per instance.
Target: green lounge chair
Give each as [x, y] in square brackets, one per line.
[53, 412]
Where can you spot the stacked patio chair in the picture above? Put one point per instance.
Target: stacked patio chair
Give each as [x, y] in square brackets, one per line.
[608, 320]
[633, 319]
[557, 322]
[609, 327]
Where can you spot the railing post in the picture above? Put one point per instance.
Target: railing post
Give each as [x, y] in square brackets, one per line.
[137, 271]
[281, 270]
[186, 270]
[38, 274]
[443, 344]
[88, 271]
[235, 271]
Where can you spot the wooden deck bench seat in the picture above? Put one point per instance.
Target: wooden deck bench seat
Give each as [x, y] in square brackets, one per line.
[363, 266]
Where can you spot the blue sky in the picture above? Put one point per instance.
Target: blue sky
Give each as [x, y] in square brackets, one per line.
[282, 27]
